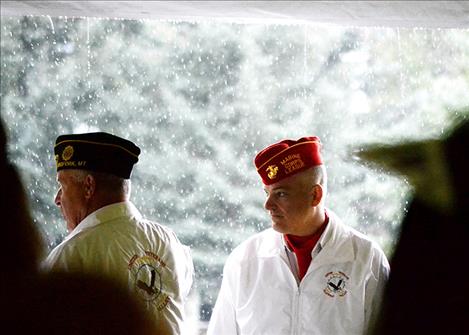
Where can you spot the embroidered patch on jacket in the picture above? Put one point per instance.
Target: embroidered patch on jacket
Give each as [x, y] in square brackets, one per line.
[147, 271]
[335, 284]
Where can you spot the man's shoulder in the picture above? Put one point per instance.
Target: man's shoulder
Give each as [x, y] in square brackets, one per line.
[259, 238]
[117, 232]
[56, 258]
[155, 230]
[125, 217]
[360, 240]
[154, 226]
[132, 224]
[266, 241]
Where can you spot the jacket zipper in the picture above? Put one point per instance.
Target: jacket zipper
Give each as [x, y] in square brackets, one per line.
[296, 311]
[296, 300]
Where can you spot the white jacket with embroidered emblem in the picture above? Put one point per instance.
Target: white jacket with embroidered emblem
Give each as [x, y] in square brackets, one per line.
[115, 241]
[340, 293]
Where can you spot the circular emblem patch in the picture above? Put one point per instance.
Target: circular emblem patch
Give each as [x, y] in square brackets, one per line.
[148, 271]
[67, 153]
[335, 284]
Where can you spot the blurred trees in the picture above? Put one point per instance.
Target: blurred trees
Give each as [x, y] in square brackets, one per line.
[201, 99]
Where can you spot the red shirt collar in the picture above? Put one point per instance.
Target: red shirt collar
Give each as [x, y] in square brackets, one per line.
[306, 242]
[302, 246]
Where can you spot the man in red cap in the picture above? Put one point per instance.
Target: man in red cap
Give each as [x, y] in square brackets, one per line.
[310, 273]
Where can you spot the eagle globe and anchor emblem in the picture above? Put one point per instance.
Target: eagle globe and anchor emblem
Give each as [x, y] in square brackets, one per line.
[272, 171]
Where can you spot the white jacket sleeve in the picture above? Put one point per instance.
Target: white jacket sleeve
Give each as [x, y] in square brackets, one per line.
[223, 320]
[375, 287]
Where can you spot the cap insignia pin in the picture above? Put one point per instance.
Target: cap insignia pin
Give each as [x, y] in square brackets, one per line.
[67, 153]
[272, 171]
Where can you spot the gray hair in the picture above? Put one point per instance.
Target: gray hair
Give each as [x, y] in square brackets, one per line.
[105, 182]
[317, 175]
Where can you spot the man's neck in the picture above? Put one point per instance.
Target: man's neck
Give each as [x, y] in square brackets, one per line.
[316, 223]
[102, 201]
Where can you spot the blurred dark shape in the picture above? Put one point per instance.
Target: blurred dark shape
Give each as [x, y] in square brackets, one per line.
[3, 145]
[54, 303]
[74, 304]
[457, 152]
[21, 244]
[427, 290]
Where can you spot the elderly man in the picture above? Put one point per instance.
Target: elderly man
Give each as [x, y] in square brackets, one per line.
[310, 274]
[109, 236]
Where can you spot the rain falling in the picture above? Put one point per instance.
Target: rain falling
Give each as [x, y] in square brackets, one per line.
[201, 99]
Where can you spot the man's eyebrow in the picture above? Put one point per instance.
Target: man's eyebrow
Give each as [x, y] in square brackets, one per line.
[279, 188]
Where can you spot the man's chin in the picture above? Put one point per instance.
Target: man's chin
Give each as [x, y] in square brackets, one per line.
[277, 227]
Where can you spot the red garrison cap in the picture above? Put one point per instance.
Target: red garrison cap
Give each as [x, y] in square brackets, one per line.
[288, 157]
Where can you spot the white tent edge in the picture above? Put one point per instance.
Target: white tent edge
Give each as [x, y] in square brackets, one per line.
[405, 14]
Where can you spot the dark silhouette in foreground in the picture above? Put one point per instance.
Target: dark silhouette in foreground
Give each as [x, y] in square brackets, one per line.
[426, 292]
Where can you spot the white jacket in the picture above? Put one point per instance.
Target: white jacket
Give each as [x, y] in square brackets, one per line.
[148, 258]
[339, 294]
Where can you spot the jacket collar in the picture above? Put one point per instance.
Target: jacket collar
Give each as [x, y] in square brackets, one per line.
[334, 246]
[104, 214]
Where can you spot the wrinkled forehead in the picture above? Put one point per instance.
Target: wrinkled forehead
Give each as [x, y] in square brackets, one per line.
[64, 175]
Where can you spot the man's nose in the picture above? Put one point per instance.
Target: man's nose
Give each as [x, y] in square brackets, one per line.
[269, 204]
[57, 197]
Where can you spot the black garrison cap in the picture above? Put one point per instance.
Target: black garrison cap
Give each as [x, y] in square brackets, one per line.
[99, 152]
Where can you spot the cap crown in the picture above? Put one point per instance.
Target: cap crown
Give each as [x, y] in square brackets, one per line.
[288, 157]
[100, 152]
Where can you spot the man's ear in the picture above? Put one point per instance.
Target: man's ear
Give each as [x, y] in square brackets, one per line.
[317, 193]
[90, 186]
